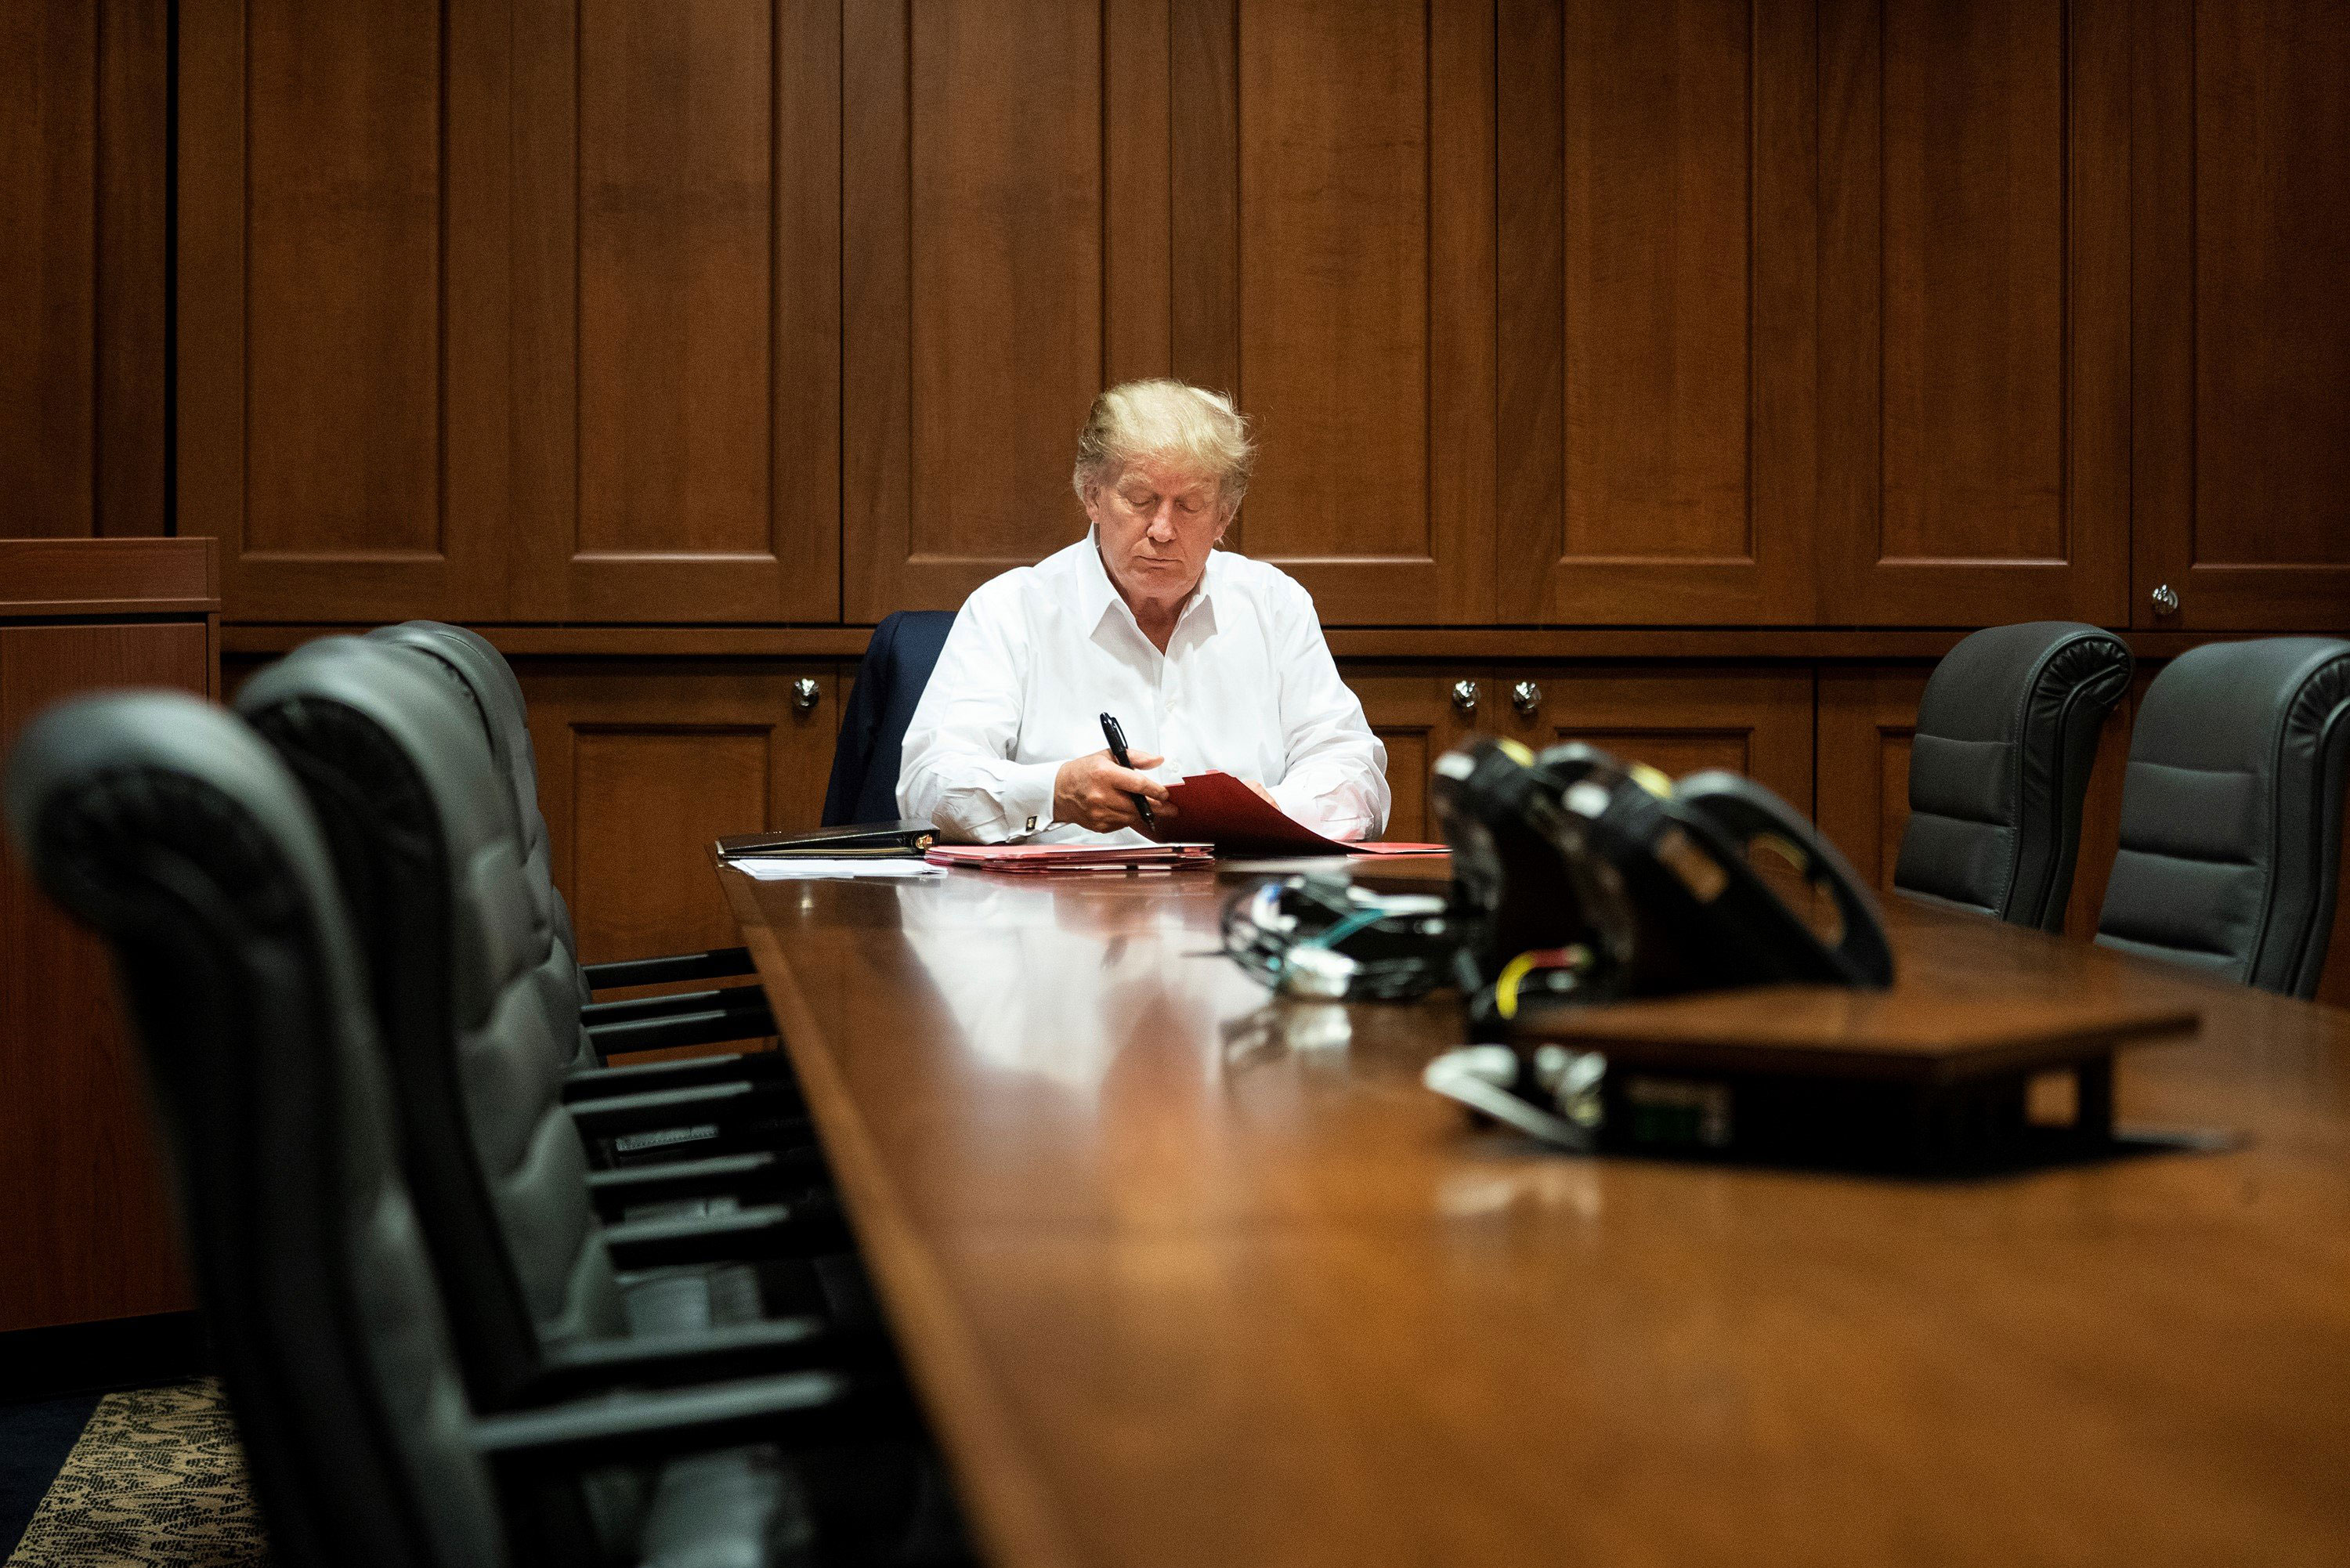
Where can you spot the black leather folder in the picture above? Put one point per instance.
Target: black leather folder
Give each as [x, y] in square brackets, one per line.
[855, 840]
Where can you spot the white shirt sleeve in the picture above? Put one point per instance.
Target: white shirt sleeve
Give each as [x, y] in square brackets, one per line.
[956, 772]
[1336, 780]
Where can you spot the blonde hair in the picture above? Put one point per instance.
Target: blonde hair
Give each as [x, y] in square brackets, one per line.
[1166, 419]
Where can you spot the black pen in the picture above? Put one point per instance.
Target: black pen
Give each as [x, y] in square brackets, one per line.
[1117, 738]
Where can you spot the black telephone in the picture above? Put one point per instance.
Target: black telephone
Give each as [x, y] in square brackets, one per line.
[1575, 873]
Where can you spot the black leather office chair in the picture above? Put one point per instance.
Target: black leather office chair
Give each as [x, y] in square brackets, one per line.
[652, 1106]
[2007, 733]
[897, 662]
[404, 788]
[693, 1018]
[169, 827]
[2231, 813]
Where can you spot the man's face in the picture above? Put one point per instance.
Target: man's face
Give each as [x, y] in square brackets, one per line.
[1157, 520]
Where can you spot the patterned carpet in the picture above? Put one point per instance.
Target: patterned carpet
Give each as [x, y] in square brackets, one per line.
[156, 1482]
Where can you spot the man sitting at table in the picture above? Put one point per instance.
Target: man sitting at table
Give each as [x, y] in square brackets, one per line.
[1208, 661]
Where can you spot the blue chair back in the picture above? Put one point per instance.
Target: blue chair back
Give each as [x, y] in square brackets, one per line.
[897, 665]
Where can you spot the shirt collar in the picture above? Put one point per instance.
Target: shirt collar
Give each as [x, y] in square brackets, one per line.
[1097, 594]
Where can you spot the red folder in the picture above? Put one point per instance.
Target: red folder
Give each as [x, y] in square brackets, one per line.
[1237, 820]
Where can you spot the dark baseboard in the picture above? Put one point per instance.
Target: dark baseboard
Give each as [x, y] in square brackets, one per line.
[123, 1352]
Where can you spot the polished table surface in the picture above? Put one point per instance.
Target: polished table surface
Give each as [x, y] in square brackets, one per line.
[1186, 1275]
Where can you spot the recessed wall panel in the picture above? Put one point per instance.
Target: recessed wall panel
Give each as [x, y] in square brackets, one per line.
[1334, 277]
[1974, 286]
[343, 141]
[1006, 140]
[1658, 325]
[675, 330]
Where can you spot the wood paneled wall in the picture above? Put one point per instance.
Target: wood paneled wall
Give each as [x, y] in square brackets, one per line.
[1706, 313]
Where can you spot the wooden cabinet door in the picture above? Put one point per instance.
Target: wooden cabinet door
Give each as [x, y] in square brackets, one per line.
[84, 186]
[1868, 716]
[90, 1233]
[1333, 266]
[1657, 312]
[1004, 257]
[676, 311]
[342, 283]
[2241, 343]
[1412, 711]
[1974, 285]
[1756, 722]
[48, 264]
[641, 764]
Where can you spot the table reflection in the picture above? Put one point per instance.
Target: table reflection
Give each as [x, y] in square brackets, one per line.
[1057, 978]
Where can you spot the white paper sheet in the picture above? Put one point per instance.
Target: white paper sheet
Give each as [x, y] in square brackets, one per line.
[799, 868]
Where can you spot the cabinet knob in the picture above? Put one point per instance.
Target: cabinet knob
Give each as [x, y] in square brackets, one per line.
[1464, 696]
[2166, 601]
[1525, 696]
[804, 693]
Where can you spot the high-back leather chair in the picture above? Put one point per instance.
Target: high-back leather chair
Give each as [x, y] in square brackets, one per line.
[487, 682]
[168, 826]
[2231, 813]
[404, 785]
[897, 662]
[2007, 733]
[480, 675]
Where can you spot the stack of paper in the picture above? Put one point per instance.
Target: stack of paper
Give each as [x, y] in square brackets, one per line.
[1032, 858]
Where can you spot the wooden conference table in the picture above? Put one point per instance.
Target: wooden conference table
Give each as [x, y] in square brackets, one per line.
[1186, 1275]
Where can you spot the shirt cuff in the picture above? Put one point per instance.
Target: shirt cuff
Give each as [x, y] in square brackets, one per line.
[1026, 798]
[1323, 817]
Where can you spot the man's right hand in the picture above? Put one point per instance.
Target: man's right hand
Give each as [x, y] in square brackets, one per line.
[1094, 793]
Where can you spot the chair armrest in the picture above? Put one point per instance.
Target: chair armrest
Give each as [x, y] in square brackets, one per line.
[707, 1026]
[722, 1354]
[748, 1000]
[803, 1228]
[722, 963]
[760, 1175]
[769, 1069]
[615, 1116]
[803, 1407]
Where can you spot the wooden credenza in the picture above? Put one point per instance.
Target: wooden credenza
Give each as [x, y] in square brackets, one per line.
[88, 1233]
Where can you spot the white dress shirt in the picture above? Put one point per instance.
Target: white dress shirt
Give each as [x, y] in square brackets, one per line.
[1246, 687]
